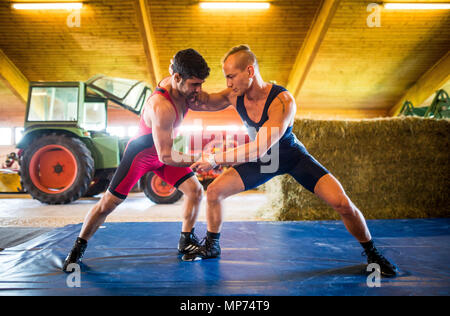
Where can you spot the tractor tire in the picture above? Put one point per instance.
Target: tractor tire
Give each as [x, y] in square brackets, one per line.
[159, 191]
[57, 168]
[99, 183]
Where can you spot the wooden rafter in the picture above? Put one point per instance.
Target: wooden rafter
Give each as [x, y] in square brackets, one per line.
[13, 77]
[436, 77]
[145, 24]
[311, 45]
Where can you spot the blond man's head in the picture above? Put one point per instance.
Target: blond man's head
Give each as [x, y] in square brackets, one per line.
[240, 68]
[241, 56]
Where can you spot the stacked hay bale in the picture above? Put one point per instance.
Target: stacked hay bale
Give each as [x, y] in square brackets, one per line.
[389, 167]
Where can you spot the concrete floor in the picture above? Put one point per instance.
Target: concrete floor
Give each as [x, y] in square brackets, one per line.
[22, 210]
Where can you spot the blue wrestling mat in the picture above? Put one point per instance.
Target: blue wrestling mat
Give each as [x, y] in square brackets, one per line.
[258, 258]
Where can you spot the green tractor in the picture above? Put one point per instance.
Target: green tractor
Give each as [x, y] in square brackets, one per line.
[65, 152]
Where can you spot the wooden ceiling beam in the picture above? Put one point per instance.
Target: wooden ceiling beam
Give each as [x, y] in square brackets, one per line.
[311, 45]
[431, 81]
[148, 36]
[13, 78]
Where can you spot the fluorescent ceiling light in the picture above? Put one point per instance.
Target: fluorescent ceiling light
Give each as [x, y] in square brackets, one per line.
[234, 5]
[47, 6]
[417, 6]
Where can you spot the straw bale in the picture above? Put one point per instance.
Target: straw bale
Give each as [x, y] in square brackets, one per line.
[389, 167]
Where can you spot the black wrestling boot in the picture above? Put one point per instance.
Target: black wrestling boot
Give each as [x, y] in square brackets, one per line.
[211, 249]
[189, 242]
[374, 256]
[76, 253]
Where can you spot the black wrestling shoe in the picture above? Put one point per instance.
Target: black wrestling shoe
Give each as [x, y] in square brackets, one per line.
[211, 249]
[374, 256]
[76, 253]
[188, 243]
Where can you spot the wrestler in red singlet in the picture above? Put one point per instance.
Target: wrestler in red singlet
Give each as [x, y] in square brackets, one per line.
[152, 151]
[140, 157]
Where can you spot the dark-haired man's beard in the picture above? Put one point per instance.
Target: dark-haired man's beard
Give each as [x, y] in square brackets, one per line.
[191, 97]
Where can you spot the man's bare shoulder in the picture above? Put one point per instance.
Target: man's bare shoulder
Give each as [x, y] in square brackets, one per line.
[286, 98]
[283, 104]
[161, 107]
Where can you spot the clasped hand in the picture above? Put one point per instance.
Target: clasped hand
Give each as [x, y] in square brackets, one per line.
[203, 163]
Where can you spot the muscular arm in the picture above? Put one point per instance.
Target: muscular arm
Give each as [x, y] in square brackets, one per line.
[213, 101]
[281, 113]
[210, 101]
[162, 116]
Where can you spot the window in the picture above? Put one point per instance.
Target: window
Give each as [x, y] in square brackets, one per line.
[116, 86]
[118, 131]
[134, 99]
[5, 136]
[53, 104]
[94, 116]
[18, 134]
[133, 131]
[128, 93]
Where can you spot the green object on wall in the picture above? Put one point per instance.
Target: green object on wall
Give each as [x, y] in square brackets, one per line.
[439, 108]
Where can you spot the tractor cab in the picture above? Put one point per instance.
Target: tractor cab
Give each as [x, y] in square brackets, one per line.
[65, 152]
[82, 105]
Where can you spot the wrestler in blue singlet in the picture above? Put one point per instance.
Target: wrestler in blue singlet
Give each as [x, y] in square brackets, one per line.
[294, 159]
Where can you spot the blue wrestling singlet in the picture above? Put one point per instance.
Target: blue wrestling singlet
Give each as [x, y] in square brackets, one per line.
[293, 158]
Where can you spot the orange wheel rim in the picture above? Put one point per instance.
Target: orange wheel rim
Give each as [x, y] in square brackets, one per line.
[160, 187]
[53, 169]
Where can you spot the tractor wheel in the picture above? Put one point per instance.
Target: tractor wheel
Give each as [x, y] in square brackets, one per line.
[158, 191]
[99, 183]
[57, 169]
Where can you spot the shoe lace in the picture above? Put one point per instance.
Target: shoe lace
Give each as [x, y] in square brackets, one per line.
[196, 240]
[77, 252]
[206, 245]
[205, 242]
[376, 256]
